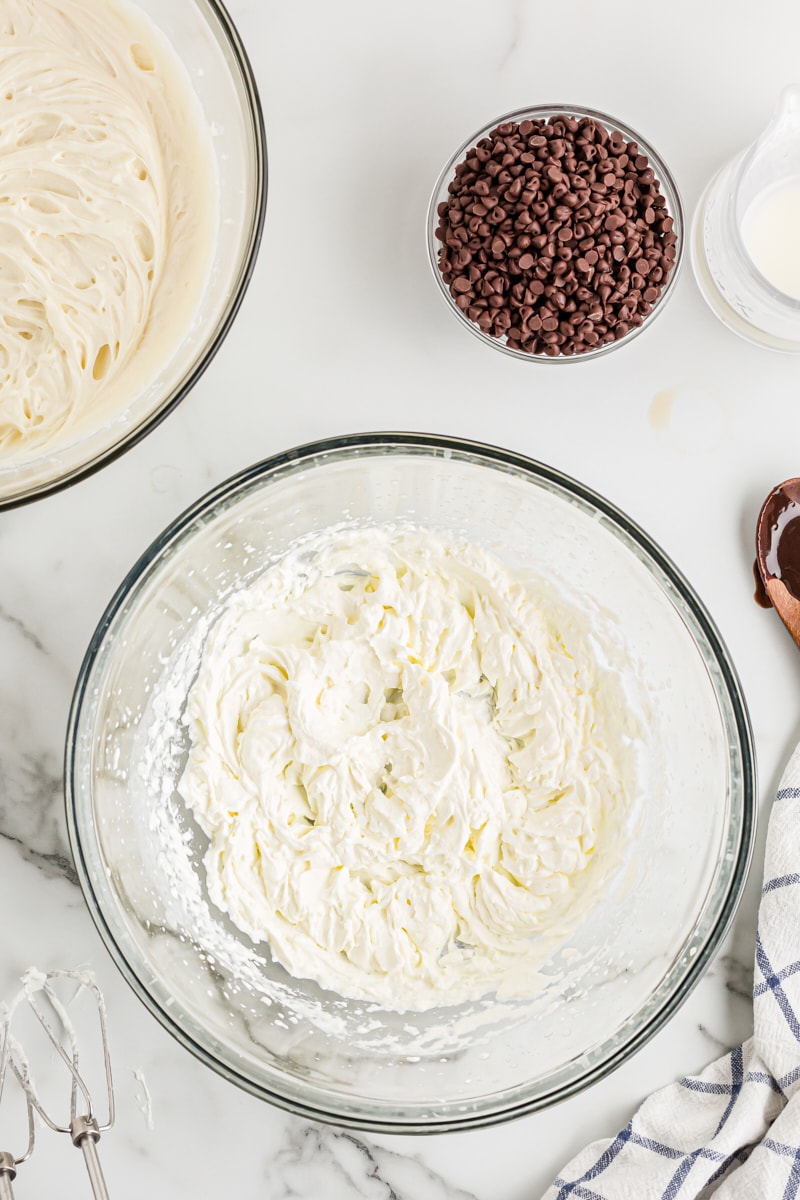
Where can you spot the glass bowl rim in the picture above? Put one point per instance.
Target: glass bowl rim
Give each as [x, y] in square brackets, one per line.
[539, 112]
[300, 458]
[253, 113]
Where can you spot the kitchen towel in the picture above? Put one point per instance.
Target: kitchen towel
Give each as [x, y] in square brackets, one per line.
[732, 1132]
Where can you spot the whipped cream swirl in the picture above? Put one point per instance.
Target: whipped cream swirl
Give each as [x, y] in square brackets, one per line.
[105, 202]
[405, 762]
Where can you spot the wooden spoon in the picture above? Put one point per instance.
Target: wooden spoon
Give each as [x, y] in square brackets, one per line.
[778, 553]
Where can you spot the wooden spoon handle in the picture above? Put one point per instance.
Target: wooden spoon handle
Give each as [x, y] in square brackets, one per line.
[786, 605]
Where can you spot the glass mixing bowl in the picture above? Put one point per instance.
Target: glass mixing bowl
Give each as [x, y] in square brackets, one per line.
[138, 852]
[543, 112]
[206, 40]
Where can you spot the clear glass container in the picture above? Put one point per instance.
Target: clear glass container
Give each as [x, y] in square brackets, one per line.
[208, 44]
[732, 284]
[543, 112]
[138, 852]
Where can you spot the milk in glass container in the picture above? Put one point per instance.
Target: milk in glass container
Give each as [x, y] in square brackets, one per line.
[746, 236]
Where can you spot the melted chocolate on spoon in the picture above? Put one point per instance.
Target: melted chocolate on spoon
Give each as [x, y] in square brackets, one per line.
[760, 594]
[779, 542]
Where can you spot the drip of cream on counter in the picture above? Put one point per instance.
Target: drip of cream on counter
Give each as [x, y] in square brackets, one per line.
[406, 764]
[107, 202]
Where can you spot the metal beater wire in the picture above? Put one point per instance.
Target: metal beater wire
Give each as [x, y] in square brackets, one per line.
[9, 1161]
[83, 1128]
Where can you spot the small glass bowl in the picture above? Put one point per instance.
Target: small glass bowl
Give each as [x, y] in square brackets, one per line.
[206, 40]
[544, 112]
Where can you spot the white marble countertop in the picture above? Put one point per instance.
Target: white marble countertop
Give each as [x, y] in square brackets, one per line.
[343, 330]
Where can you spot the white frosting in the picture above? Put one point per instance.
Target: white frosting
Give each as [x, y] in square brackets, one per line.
[106, 198]
[405, 762]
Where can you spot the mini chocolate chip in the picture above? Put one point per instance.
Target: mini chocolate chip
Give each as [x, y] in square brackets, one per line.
[574, 207]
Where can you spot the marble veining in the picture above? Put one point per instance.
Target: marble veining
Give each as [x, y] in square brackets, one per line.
[24, 631]
[738, 977]
[50, 864]
[718, 1043]
[517, 13]
[31, 813]
[313, 1157]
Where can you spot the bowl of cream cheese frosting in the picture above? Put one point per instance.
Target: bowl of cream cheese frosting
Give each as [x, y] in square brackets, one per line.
[409, 783]
[131, 209]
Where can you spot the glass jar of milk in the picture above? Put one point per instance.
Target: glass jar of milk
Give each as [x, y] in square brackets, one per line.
[746, 236]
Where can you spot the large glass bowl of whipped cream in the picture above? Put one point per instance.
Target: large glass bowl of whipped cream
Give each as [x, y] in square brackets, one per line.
[292, 1016]
[131, 211]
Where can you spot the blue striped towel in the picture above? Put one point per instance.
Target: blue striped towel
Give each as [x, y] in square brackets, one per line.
[732, 1132]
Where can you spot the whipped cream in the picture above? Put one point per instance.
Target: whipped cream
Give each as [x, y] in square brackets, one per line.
[106, 205]
[408, 761]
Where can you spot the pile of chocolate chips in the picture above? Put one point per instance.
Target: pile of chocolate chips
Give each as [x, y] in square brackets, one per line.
[555, 235]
